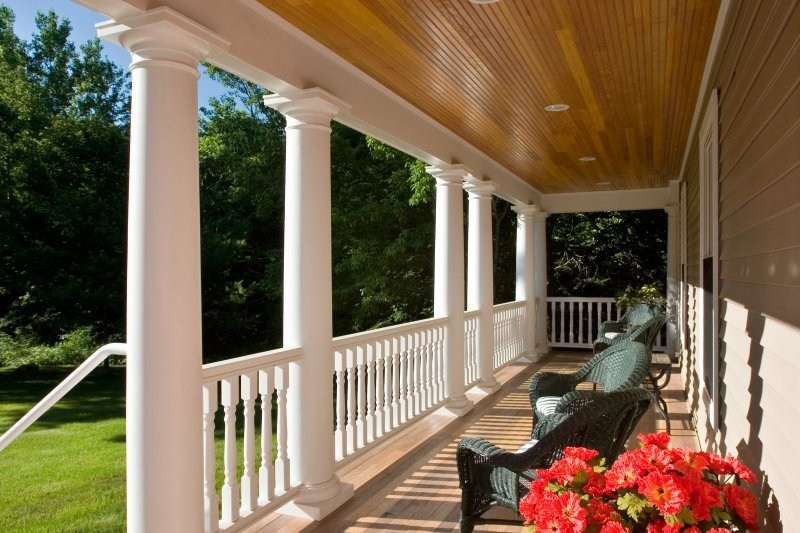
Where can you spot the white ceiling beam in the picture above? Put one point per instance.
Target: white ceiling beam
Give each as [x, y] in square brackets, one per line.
[585, 202]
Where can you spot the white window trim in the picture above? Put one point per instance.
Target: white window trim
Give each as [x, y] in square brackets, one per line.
[709, 247]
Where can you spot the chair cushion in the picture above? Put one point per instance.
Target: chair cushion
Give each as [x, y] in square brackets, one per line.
[530, 444]
[547, 404]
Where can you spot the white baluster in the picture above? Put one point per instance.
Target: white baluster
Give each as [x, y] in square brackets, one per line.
[361, 397]
[230, 491]
[580, 322]
[210, 499]
[266, 474]
[416, 353]
[371, 370]
[380, 394]
[387, 385]
[396, 418]
[402, 381]
[249, 484]
[282, 461]
[340, 438]
[426, 369]
[409, 339]
[350, 428]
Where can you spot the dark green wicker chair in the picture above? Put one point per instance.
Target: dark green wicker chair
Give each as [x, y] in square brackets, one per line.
[490, 476]
[619, 367]
[634, 316]
[645, 333]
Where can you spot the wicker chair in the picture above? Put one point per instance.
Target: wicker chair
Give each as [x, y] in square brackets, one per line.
[645, 333]
[634, 316]
[622, 366]
[491, 476]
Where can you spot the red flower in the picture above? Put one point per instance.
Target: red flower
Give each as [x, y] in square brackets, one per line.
[584, 454]
[660, 526]
[744, 504]
[527, 505]
[622, 474]
[572, 511]
[659, 440]
[614, 527]
[705, 495]
[744, 473]
[690, 464]
[717, 464]
[655, 458]
[663, 491]
[719, 530]
[564, 470]
[599, 512]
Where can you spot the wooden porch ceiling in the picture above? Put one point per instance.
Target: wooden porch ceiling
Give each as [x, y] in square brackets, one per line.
[630, 71]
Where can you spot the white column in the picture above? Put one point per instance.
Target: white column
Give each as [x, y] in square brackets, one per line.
[164, 389]
[526, 275]
[673, 276]
[448, 299]
[540, 281]
[480, 277]
[307, 300]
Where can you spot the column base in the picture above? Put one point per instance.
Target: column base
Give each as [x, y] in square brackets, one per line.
[542, 349]
[529, 357]
[316, 503]
[489, 386]
[459, 406]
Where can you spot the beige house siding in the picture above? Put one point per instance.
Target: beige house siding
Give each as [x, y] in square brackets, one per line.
[758, 76]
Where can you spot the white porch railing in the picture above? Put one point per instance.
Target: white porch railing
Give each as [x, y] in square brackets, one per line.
[246, 388]
[509, 332]
[575, 321]
[383, 379]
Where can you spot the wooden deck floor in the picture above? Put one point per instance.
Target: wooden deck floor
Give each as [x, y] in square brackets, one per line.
[410, 482]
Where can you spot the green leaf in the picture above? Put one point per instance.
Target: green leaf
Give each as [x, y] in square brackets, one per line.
[633, 505]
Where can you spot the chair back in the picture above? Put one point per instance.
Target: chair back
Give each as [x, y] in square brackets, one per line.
[639, 314]
[620, 366]
[604, 424]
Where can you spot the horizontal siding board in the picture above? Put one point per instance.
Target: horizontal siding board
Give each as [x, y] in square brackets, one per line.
[775, 233]
[782, 303]
[773, 268]
[781, 159]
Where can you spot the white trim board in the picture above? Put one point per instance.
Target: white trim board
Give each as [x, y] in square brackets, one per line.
[585, 202]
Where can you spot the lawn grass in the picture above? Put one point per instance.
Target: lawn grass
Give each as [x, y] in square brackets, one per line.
[67, 471]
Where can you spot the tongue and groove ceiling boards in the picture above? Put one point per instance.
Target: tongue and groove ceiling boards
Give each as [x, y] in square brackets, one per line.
[628, 69]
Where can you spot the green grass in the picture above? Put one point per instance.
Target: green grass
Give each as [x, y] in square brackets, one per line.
[67, 471]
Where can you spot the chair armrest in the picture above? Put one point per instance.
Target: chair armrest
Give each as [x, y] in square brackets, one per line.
[609, 327]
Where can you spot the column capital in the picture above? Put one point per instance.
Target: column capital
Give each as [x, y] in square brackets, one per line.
[479, 189]
[162, 34]
[531, 210]
[673, 210]
[448, 174]
[308, 106]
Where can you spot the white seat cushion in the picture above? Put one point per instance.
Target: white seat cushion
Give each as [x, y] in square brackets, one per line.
[530, 444]
[547, 404]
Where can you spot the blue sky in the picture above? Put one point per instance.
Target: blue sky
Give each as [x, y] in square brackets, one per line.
[83, 21]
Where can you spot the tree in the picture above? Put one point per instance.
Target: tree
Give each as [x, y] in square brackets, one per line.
[604, 254]
[63, 173]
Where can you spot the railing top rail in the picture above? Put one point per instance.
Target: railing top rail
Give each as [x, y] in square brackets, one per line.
[249, 363]
[607, 299]
[509, 305]
[377, 334]
[472, 313]
[61, 390]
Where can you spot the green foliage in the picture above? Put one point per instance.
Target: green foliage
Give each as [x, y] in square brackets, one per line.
[63, 169]
[633, 504]
[72, 349]
[646, 294]
[603, 254]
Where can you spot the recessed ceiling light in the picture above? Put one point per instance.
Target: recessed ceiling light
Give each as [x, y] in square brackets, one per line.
[556, 107]
[604, 183]
[587, 158]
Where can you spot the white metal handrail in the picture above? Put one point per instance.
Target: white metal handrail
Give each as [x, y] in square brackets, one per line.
[61, 390]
